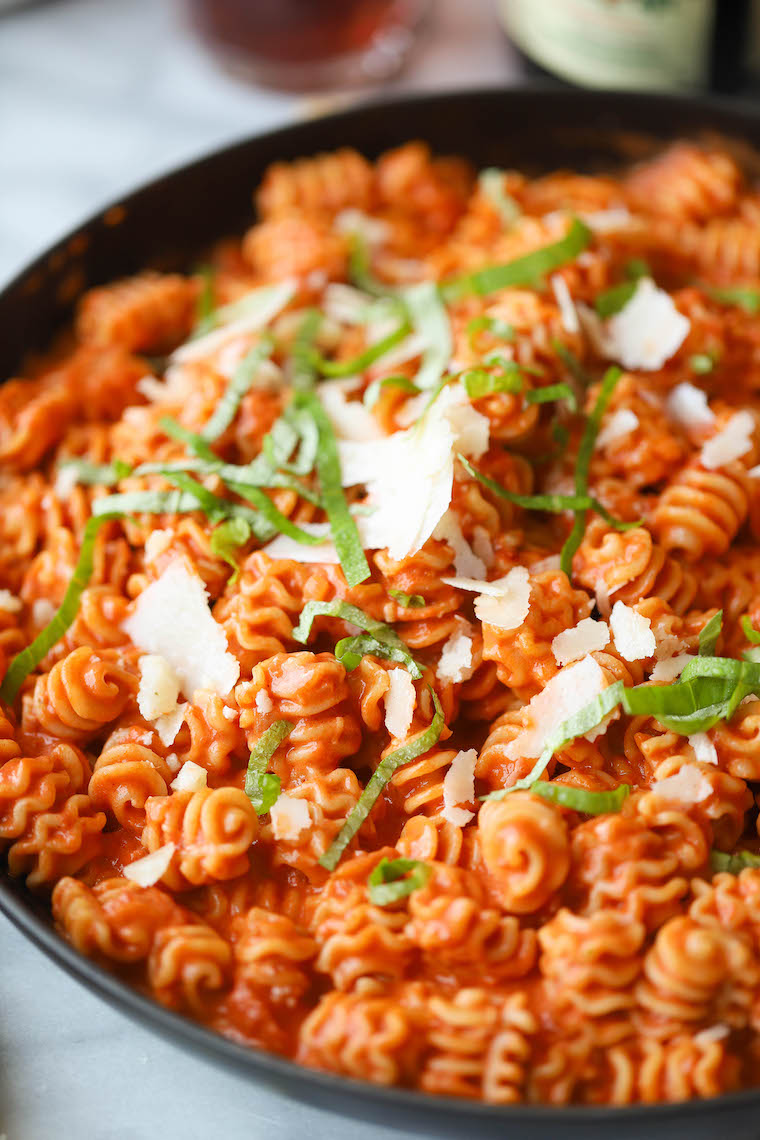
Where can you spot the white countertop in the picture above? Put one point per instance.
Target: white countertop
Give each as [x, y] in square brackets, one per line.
[96, 96]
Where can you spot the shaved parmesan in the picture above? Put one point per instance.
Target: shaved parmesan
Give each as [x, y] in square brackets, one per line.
[466, 562]
[459, 787]
[687, 786]
[687, 406]
[153, 389]
[704, 749]
[285, 547]
[607, 221]
[731, 442]
[455, 662]
[670, 667]
[399, 703]
[168, 725]
[264, 702]
[350, 419]
[632, 632]
[190, 778]
[289, 816]
[156, 543]
[374, 231]
[617, 426]
[171, 617]
[471, 429]
[43, 611]
[561, 698]
[250, 313]
[229, 714]
[602, 596]
[567, 310]
[345, 304]
[546, 565]
[584, 638]
[159, 686]
[431, 322]
[510, 609]
[648, 330]
[483, 548]
[754, 472]
[9, 603]
[65, 482]
[712, 1033]
[148, 870]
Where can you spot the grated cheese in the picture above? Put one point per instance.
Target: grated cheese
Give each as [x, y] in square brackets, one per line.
[648, 330]
[229, 714]
[567, 310]
[153, 389]
[584, 638]
[731, 442]
[561, 698]
[43, 611]
[510, 609]
[687, 786]
[459, 787]
[616, 427]
[704, 749]
[466, 562]
[350, 419]
[159, 686]
[168, 725]
[483, 547]
[65, 482]
[171, 617]
[264, 702]
[9, 603]
[374, 231]
[455, 663]
[687, 407]
[346, 305]
[670, 667]
[632, 633]
[148, 870]
[399, 703]
[607, 221]
[190, 778]
[289, 816]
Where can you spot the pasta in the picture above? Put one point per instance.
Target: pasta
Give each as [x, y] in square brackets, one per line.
[379, 625]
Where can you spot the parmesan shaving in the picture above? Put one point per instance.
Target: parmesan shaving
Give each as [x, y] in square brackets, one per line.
[374, 231]
[153, 389]
[248, 314]
[632, 632]
[159, 686]
[350, 419]
[171, 618]
[459, 787]
[687, 407]
[602, 595]
[670, 667]
[567, 311]
[455, 663]
[730, 443]
[168, 725]
[607, 221]
[562, 697]
[285, 547]
[156, 543]
[510, 609]
[65, 482]
[399, 703]
[704, 749]
[617, 426]
[648, 330]
[190, 778]
[586, 637]
[346, 305]
[687, 786]
[147, 871]
[9, 603]
[467, 563]
[43, 611]
[289, 816]
[264, 702]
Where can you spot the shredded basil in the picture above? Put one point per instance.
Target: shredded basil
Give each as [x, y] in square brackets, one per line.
[709, 634]
[395, 879]
[701, 363]
[377, 782]
[560, 391]
[493, 325]
[749, 631]
[381, 633]
[741, 296]
[96, 474]
[262, 787]
[226, 540]
[350, 650]
[572, 363]
[478, 382]
[491, 182]
[580, 799]
[360, 268]
[430, 319]
[28, 659]
[526, 270]
[374, 390]
[241, 382]
[205, 306]
[612, 300]
[733, 861]
[409, 601]
[364, 360]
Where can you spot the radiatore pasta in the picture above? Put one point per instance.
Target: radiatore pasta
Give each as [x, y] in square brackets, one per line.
[379, 621]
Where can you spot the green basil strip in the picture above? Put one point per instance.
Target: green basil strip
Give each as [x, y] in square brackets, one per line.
[264, 521]
[377, 782]
[197, 443]
[612, 300]
[586, 719]
[560, 391]
[377, 629]
[147, 503]
[478, 382]
[744, 298]
[205, 307]
[580, 799]
[749, 631]
[372, 394]
[226, 540]
[97, 474]
[709, 634]
[526, 270]
[360, 269]
[303, 373]
[637, 267]
[345, 535]
[493, 325]
[395, 879]
[491, 182]
[733, 861]
[262, 787]
[365, 359]
[572, 363]
[241, 382]
[583, 462]
[350, 650]
[408, 601]
[429, 318]
[28, 659]
[701, 363]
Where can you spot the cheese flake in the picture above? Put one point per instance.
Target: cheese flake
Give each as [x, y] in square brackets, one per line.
[374, 231]
[670, 667]
[285, 547]
[648, 330]
[350, 419]
[171, 618]
[616, 427]
[632, 632]
[730, 443]
[455, 663]
[190, 778]
[399, 703]
[9, 603]
[156, 543]
[561, 698]
[159, 686]
[586, 637]
[607, 221]
[687, 407]
[289, 816]
[43, 611]
[168, 725]
[687, 786]
[704, 749]
[467, 563]
[147, 871]
[567, 310]
[65, 482]
[509, 609]
[264, 702]
[459, 787]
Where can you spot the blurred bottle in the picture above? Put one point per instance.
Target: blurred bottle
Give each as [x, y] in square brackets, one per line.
[305, 45]
[638, 44]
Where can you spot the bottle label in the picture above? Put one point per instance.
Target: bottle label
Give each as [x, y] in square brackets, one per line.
[638, 44]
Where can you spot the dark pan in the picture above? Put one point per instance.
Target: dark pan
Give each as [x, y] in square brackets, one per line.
[167, 224]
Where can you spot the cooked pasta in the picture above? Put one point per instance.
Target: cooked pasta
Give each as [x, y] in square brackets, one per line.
[379, 613]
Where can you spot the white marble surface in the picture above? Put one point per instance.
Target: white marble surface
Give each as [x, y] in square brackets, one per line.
[95, 97]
